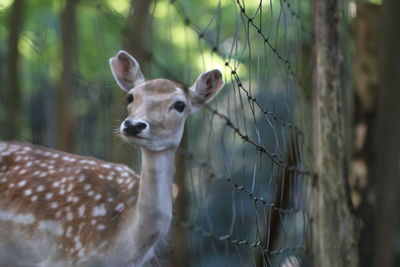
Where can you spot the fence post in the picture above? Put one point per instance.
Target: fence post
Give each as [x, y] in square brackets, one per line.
[333, 232]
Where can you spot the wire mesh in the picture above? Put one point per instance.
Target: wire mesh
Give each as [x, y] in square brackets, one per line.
[242, 168]
[246, 178]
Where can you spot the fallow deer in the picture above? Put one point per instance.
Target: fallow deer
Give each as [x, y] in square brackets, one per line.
[60, 209]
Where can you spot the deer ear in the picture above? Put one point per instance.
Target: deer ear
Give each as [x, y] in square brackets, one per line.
[126, 70]
[205, 88]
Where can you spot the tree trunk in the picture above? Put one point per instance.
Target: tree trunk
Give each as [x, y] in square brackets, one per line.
[362, 176]
[334, 235]
[13, 95]
[134, 42]
[68, 80]
[137, 32]
[387, 142]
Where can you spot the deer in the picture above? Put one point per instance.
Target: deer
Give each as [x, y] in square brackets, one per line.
[62, 209]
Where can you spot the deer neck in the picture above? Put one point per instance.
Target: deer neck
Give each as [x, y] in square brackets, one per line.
[151, 219]
[155, 191]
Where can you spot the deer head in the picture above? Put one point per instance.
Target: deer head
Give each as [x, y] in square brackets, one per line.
[157, 109]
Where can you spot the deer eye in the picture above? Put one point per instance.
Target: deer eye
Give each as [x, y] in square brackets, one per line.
[129, 98]
[179, 106]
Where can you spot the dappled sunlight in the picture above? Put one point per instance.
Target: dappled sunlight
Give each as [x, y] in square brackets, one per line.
[120, 6]
[5, 4]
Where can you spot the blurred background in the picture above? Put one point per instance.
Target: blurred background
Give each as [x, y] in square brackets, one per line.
[246, 179]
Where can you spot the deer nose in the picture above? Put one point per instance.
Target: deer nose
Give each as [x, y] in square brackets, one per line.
[133, 128]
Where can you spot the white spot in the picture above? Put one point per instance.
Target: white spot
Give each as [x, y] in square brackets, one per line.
[16, 168]
[17, 158]
[120, 207]
[78, 244]
[22, 183]
[53, 205]
[93, 222]
[11, 185]
[70, 187]
[23, 171]
[55, 155]
[3, 180]
[107, 166]
[99, 210]
[43, 165]
[101, 176]
[51, 226]
[75, 199]
[120, 180]
[56, 184]
[62, 192]
[63, 180]
[130, 186]
[49, 195]
[101, 227]
[87, 187]
[90, 193]
[29, 164]
[124, 174]
[3, 146]
[81, 178]
[34, 198]
[81, 211]
[126, 168]
[110, 199]
[40, 188]
[5, 153]
[110, 177]
[97, 197]
[28, 192]
[70, 216]
[43, 174]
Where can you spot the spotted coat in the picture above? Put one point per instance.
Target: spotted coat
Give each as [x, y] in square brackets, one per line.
[80, 202]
